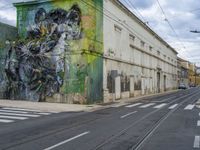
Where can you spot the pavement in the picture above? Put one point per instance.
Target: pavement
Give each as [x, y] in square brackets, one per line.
[48, 107]
[61, 107]
[168, 121]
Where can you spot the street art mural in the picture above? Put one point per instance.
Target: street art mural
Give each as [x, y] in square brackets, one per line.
[54, 55]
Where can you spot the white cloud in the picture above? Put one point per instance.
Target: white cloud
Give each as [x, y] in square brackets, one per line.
[182, 20]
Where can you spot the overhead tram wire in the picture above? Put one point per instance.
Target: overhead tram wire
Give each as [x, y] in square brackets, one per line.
[170, 25]
[131, 5]
[172, 28]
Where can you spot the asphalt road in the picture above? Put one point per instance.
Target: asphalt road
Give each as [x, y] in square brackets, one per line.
[167, 122]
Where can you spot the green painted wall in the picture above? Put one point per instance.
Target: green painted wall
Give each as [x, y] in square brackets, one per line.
[84, 75]
[7, 32]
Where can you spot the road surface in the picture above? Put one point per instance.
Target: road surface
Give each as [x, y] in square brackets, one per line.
[167, 122]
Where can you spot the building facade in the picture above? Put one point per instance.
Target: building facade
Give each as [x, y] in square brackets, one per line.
[137, 61]
[193, 76]
[90, 51]
[183, 76]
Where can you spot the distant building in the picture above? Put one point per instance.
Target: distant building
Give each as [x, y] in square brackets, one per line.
[88, 51]
[137, 60]
[183, 71]
[198, 70]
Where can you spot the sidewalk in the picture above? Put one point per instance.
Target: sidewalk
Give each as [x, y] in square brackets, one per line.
[48, 107]
[61, 107]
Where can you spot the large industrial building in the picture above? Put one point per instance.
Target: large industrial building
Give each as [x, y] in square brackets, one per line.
[86, 51]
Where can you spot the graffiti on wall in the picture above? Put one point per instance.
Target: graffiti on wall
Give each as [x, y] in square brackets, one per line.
[36, 67]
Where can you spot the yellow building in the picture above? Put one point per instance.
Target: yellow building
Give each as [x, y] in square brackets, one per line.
[194, 78]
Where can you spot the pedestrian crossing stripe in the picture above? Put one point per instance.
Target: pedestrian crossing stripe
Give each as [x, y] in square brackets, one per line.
[24, 115]
[189, 107]
[11, 114]
[6, 121]
[13, 117]
[173, 106]
[153, 105]
[25, 109]
[160, 106]
[133, 105]
[147, 105]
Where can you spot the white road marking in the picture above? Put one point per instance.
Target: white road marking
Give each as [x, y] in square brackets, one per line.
[118, 105]
[40, 113]
[196, 142]
[133, 105]
[66, 141]
[20, 109]
[173, 106]
[198, 123]
[6, 121]
[189, 107]
[23, 115]
[28, 110]
[199, 114]
[124, 116]
[160, 106]
[13, 117]
[147, 105]
[13, 111]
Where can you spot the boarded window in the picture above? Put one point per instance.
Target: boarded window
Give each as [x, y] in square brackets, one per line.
[118, 28]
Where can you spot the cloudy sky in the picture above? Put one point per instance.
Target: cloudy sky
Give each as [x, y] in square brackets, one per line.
[183, 15]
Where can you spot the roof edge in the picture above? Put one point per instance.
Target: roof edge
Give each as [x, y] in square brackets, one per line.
[144, 25]
[31, 2]
[8, 25]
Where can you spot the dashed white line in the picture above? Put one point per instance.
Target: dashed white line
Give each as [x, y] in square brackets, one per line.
[133, 105]
[13, 117]
[124, 116]
[6, 121]
[198, 123]
[189, 107]
[196, 142]
[66, 141]
[147, 105]
[23, 115]
[173, 106]
[161, 105]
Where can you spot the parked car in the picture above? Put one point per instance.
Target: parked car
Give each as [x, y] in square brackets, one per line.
[182, 86]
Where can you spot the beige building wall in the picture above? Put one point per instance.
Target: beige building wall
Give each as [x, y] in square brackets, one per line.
[132, 52]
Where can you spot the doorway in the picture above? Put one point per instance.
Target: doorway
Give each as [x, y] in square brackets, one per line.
[165, 84]
[158, 82]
